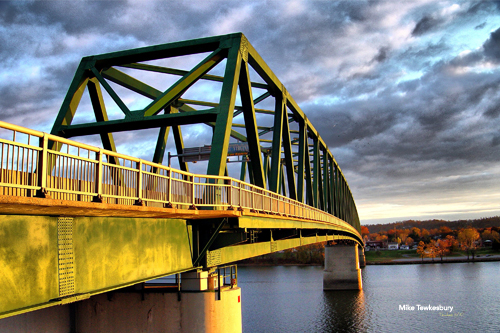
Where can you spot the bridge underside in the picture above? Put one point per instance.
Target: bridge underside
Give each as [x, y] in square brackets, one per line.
[75, 251]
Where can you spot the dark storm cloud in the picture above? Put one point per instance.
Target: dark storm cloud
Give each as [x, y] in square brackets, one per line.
[435, 118]
[480, 26]
[483, 7]
[426, 24]
[382, 54]
[492, 46]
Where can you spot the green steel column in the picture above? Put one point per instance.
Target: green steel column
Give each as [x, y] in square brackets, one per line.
[222, 129]
[331, 191]
[100, 113]
[316, 173]
[279, 114]
[301, 159]
[326, 205]
[251, 124]
[309, 183]
[243, 171]
[287, 148]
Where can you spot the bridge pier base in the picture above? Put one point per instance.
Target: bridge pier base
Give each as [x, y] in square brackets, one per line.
[123, 311]
[362, 259]
[161, 312]
[342, 270]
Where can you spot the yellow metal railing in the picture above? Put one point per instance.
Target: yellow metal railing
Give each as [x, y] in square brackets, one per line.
[35, 163]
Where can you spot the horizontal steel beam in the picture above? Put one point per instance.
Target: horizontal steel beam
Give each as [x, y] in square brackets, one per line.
[130, 124]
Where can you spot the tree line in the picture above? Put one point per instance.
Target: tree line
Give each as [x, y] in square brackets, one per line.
[438, 242]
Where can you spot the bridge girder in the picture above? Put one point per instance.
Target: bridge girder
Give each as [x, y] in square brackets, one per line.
[314, 179]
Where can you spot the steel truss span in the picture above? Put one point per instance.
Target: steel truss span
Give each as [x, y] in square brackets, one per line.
[286, 154]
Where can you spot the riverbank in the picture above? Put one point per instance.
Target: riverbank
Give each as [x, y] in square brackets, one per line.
[429, 261]
[404, 257]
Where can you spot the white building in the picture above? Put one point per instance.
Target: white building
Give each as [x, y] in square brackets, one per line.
[392, 246]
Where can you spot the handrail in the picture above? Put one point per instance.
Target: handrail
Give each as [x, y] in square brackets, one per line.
[36, 170]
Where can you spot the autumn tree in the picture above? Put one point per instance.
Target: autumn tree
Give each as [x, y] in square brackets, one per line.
[403, 235]
[452, 242]
[442, 248]
[364, 231]
[409, 241]
[421, 249]
[425, 234]
[434, 232]
[415, 233]
[467, 238]
[491, 235]
[444, 230]
[431, 250]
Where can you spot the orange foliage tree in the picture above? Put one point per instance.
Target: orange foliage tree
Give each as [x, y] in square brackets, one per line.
[467, 238]
[421, 249]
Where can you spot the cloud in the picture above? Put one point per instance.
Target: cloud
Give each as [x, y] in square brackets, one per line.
[425, 24]
[492, 46]
[407, 97]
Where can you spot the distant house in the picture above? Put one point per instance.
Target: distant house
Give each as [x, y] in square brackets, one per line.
[404, 247]
[374, 245]
[392, 246]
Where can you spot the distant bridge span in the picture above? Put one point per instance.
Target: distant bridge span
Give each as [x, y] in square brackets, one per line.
[78, 220]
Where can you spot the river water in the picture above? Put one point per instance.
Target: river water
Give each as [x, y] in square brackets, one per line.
[291, 299]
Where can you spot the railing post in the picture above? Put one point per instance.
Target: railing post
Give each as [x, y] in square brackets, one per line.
[98, 177]
[169, 193]
[139, 201]
[193, 206]
[192, 190]
[42, 167]
[239, 185]
[252, 198]
[230, 193]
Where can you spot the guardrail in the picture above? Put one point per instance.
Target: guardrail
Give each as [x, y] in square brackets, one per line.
[68, 170]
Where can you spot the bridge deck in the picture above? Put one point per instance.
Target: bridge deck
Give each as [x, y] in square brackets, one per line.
[74, 225]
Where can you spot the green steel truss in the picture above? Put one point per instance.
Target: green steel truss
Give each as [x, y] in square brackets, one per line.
[286, 154]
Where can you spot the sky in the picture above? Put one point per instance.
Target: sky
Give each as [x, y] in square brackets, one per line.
[406, 94]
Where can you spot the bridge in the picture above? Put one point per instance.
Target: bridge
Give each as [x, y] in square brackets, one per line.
[78, 222]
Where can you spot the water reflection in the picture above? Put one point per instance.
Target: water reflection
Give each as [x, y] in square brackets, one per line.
[343, 311]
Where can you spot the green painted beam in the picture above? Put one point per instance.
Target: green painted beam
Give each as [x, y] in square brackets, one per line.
[162, 51]
[103, 253]
[222, 129]
[176, 90]
[101, 115]
[279, 117]
[235, 253]
[251, 126]
[111, 93]
[121, 125]
[316, 173]
[287, 147]
[325, 174]
[166, 70]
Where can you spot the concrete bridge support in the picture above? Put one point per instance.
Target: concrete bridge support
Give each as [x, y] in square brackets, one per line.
[342, 270]
[146, 310]
[362, 259]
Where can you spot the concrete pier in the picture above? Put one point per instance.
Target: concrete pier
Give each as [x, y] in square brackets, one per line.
[342, 271]
[145, 310]
[362, 259]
